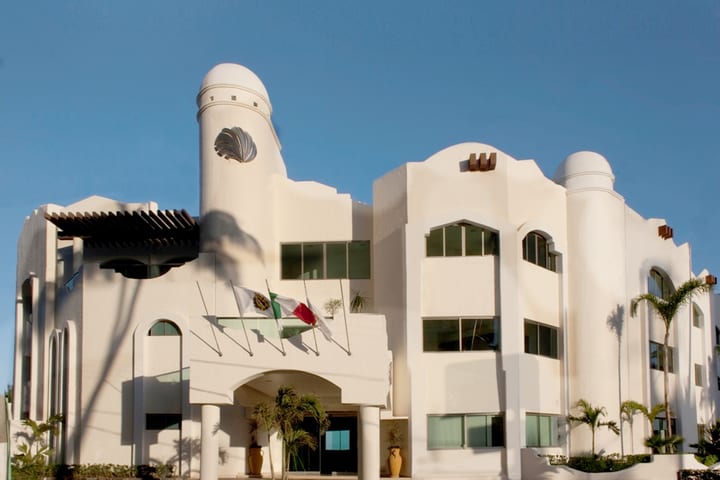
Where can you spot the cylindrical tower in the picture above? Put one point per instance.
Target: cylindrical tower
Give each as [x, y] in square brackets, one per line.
[597, 303]
[239, 156]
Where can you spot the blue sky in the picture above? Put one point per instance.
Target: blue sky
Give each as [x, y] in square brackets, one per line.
[98, 97]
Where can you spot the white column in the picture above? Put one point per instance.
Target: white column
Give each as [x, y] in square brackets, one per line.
[369, 465]
[209, 447]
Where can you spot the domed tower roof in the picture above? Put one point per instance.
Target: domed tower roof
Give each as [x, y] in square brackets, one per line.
[585, 170]
[234, 74]
[231, 76]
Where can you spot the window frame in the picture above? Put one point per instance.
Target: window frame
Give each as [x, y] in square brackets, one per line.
[657, 348]
[552, 331]
[536, 249]
[294, 260]
[164, 328]
[555, 439]
[460, 330]
[699, 375]
[494, 431]
[489, 241]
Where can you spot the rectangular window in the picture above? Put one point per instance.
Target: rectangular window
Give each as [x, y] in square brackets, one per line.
[461, 334]
[162, 421]
[434, 243]
[541, 430]
[541, 339]
[319, 260]
[660, 426]
[336, 255]
[338, 440]
[359, 259]
[453, 241]
[291, 260]
[657, 357]
[474, 240]
[313, 267]
[465, 431]
[698, 375]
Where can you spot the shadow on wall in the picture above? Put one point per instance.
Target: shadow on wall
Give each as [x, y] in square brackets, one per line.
[220, 233]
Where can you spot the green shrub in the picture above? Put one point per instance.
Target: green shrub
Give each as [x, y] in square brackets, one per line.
[98, 471]
[698, 475]
[609, 463]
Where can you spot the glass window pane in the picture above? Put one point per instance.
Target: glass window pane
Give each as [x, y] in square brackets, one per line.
[473, 240]
[441, 335]
[492, 243]
[337, 440]
[545, 340]
[545, 431]
[478, 431]
[479, 334]
[336, 258]
[313, 261]
[445, 432]
[531, 337]
[453, 241]
[434, 243]
[291, 261]
[359, 259]
[531, 248]
[497, 431]
[542, 251]
[532, 431]
[554, 343]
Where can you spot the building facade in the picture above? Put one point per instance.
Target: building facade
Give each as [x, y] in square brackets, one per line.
[470, 307]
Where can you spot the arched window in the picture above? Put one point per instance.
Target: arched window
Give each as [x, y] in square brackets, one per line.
[697, 316]
[164, 328]
[461, 239]
[659, 284]
[536, 249]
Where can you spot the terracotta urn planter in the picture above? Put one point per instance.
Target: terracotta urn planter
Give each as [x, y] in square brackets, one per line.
[255, 461]
[394, 462]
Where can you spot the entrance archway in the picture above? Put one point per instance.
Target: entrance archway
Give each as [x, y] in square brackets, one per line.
[337, 449]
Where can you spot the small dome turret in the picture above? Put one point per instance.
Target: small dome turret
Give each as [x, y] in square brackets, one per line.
[585, 170]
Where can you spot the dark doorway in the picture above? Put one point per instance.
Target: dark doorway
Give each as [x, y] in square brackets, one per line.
[337, 448]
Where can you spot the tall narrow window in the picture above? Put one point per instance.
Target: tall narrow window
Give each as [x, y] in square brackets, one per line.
[698, 375]
[657, 357]
[659, 284]
[536, 249]
[26, 368]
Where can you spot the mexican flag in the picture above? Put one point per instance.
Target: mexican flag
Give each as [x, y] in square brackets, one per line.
[250, 302]
[293, 308]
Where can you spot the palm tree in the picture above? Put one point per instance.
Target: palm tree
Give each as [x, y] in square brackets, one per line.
[591, 416]
[263, 415]
[628, 410]
[667, 308]
[290, 410]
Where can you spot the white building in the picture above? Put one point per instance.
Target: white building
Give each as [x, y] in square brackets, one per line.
[494, 298]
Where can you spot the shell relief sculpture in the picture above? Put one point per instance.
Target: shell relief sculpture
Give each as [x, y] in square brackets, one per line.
[235, 143]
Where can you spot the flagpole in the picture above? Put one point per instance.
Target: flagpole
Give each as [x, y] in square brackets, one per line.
[207, 313]
[317, 350]
[242, 320]
[277, 324]
[342, 300]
